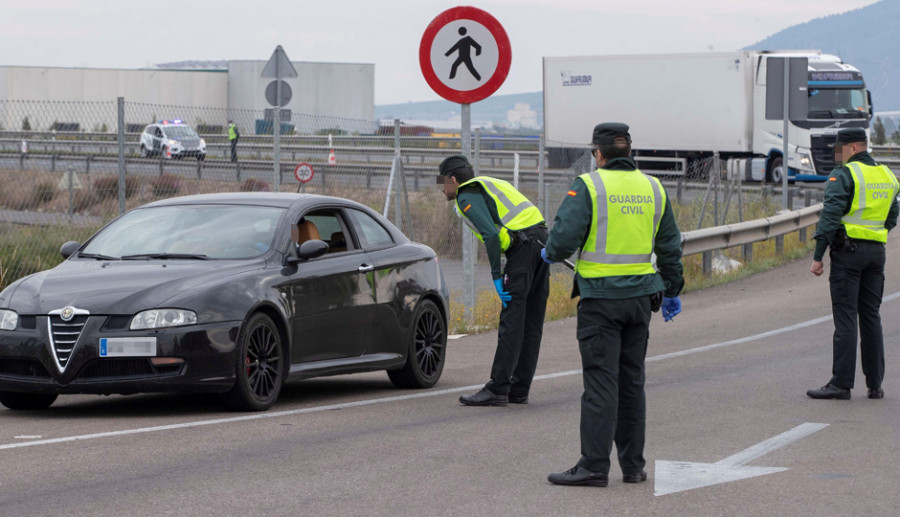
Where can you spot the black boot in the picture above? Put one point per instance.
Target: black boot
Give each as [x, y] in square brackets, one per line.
[485, 397]
[829, 391]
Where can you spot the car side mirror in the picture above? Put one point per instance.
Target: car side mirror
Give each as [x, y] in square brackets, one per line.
[67, 249]
[308, 250]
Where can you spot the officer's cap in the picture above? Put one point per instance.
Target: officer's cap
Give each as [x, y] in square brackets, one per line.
[607, 132]
[850, 135]
[451, 163]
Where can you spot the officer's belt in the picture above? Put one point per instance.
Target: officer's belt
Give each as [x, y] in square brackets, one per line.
[518, 237]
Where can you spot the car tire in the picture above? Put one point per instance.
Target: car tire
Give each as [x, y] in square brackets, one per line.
[201, 157]
[25, 401]
[144, 152]
[426, 352]
[259, 368]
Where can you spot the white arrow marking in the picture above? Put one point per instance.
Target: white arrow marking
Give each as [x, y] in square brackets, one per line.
[677, 476]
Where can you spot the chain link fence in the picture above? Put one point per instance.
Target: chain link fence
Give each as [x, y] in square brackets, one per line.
[60, 171]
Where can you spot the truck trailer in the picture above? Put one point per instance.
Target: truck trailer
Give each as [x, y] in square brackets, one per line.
[683, 108]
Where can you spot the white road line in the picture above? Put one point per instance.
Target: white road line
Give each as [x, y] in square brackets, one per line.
[436, 393]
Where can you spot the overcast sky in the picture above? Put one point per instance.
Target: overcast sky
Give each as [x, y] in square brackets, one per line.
[135, 34]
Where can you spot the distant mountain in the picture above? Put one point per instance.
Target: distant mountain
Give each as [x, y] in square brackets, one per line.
[195, 65]
[493, 109]
[865, 38]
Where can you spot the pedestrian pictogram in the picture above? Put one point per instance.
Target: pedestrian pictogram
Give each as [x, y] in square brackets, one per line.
[465, 54]
[464, 47]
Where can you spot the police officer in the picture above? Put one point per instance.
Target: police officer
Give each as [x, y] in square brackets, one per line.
[233, 136]
[860, 207]
[504, 219]
[616, 217]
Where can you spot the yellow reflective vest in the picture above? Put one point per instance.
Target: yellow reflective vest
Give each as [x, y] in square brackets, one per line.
[627, 208]
[875, 188]
[232, 132]
[514, 209]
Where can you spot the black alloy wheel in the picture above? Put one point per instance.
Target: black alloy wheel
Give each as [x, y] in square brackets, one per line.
[260, 371]
[427, 350]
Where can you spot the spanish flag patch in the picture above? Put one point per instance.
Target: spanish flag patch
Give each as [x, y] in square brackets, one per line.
[466, 209]
[832, 179]
[571, 193]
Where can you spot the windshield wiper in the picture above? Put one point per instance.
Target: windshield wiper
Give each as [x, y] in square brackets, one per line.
[188, 256]
[98, 256]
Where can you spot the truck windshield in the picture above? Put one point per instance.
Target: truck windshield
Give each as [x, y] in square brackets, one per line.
[837, 103]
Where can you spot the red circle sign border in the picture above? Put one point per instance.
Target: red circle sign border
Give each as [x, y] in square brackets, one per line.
[312, 172]
[505, 59]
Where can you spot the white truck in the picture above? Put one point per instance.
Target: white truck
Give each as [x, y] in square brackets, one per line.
[684, 107]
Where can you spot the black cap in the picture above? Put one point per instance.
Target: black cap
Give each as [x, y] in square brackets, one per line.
[451, 163]
[606, 133]
[850, 135]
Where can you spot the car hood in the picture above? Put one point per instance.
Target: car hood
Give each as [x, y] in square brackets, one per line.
[118, 287]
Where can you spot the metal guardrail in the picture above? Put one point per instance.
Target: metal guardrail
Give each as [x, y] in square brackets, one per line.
[748, 232]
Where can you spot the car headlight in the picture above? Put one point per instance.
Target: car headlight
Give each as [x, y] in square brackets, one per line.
[8, 319]
[173, 143]
[162, 318]
[203, 144]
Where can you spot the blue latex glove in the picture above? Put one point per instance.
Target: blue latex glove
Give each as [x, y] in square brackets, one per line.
[504, 296]
[671, 307]
[544, 256]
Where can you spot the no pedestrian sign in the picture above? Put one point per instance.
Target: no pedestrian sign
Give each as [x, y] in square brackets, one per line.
[303, 172]
[465, 55]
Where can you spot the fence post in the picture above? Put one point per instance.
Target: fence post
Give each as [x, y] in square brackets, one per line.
[679, 185]
[779, 245]
[71, 194]
[53, 162]
[87, 164]
[121, 145]
[707, 263]
[747, 252]
[237, 171]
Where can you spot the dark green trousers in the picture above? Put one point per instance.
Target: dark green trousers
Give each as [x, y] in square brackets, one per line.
[857, 285]
[612, 337]
[527, 280]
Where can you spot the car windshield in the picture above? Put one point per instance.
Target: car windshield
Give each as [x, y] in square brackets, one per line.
[187, 232]
[178, 131]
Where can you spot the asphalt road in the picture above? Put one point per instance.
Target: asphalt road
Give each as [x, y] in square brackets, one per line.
[353, 445]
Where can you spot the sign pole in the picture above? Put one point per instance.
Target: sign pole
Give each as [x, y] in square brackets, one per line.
[468, 238]
[277, 129]
[784, 158]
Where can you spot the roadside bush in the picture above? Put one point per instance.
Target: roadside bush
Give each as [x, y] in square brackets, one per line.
[107, 187]
[44, 192]
[255, 185]
[166, 185]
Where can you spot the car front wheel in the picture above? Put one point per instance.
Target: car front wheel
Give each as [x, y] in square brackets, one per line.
[259, 370]
[427, 349]
[14, 400]
[144, 152]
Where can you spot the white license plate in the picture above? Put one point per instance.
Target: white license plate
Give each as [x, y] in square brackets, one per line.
[128, 347]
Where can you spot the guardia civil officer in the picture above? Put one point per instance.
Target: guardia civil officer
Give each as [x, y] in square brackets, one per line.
[507, 223]
[616, 217]
[860, 207]
[233, 136]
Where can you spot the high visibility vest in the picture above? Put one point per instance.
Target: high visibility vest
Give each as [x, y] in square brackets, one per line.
[232, 132]
[627, 208]
[875, 188]
[514, 209]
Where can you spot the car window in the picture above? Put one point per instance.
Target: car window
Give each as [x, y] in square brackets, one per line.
[371, 233]
[158, 132]
[330, 227]
[179, 131]
[213, 231]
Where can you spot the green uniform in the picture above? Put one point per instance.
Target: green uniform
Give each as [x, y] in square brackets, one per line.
[526, 277]
[615, 281]
[856, 278]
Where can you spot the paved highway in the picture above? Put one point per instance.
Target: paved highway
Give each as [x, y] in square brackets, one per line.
[728, 374]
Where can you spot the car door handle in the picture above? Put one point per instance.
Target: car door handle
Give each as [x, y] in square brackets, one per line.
[365, 268]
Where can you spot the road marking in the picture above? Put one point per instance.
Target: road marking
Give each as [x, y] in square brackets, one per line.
[678, 476]
[28, 437]
[437, 393]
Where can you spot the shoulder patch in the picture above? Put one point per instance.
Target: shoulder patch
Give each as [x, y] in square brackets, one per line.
[466, 209]
[571, 193]
[832, 179]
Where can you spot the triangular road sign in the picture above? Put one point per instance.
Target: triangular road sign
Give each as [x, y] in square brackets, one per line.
[279, 66]
[64, 181]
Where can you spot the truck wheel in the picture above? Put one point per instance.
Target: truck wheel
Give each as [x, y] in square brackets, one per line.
[776, 169]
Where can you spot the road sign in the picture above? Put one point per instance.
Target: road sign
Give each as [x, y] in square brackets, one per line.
[272, 93]
[465, 54]
[303, 172]
[279, 66]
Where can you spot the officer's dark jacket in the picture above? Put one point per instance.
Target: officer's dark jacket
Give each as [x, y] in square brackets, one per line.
[571, 230]
[839, 200]
[482, 211]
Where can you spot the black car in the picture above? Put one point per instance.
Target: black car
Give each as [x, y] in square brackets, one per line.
[226, 293]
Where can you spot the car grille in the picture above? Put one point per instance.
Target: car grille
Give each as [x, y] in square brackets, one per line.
[117, 368]
[64, 335]
[822, 155]
[23, 368]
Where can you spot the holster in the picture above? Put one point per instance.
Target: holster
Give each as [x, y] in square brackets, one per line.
[656, 300]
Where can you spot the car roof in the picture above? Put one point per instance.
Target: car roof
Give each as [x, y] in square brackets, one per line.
[273, 199]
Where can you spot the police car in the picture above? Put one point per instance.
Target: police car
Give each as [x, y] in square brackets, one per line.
[172, 139]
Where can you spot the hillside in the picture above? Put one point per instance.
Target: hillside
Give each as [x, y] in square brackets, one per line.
[492, 109]
[866, 38]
